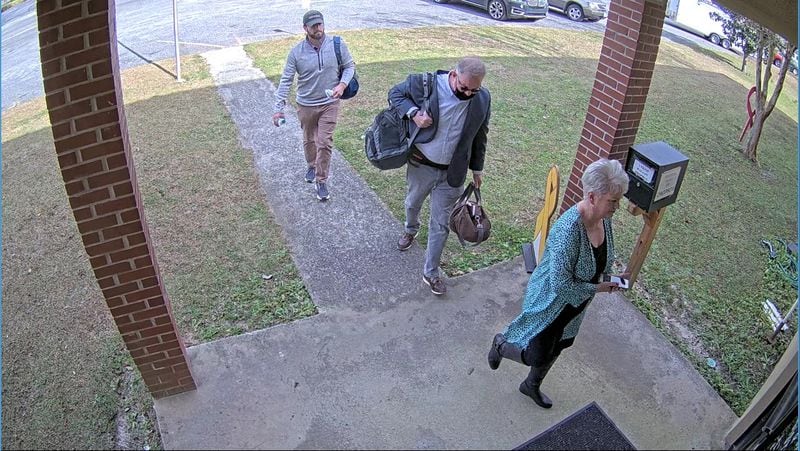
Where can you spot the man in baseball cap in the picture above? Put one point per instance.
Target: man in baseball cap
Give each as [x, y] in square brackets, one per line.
[320, 84]
[312, 17]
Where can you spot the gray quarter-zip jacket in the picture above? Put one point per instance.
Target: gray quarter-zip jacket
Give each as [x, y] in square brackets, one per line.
[316, 70]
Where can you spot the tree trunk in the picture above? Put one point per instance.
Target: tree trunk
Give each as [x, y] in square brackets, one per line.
[763, 108]
[744, 60]
[751, 148]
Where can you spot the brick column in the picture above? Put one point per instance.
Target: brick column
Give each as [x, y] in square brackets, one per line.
[627, 60]
[80, 67]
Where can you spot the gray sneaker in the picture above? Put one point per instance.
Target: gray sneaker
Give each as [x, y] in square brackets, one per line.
[322, 191]
[437, 285]
[311, 174]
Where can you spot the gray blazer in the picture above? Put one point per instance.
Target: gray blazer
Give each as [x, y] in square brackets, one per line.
[471, 148]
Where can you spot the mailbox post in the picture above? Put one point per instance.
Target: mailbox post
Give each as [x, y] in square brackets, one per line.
[656, 172]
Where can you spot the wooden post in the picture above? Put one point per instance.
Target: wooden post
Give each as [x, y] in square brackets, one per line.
[651, 223]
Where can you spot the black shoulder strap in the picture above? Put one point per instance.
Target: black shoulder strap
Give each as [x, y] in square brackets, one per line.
[427, 86]
[337, 47]
[426, 94]
[427, 90]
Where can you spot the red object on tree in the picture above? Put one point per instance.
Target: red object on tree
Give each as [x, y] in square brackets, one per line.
[750, 113]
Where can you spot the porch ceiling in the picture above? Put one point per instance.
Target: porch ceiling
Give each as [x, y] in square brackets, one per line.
[779, 16]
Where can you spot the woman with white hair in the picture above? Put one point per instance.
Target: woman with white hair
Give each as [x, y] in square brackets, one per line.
[579, 251]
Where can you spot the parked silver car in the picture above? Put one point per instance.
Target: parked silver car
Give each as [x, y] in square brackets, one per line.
[582, 9]
[509, 9]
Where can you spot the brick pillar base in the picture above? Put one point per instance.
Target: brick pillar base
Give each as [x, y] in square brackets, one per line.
[80, 67]
[624, 72]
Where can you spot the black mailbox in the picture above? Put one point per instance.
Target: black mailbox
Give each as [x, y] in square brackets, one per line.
[656, 171]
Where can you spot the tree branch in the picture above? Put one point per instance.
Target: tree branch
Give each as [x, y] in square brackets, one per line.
[779, 81]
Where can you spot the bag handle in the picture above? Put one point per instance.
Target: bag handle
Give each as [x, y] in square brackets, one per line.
[426, 94]
[480, 227]
[465, 195]
[469, 191]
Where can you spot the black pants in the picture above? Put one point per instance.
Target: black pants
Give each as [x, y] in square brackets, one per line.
[547, 345]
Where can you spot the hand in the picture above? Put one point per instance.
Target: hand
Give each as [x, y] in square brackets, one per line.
[607, 287]
[276, 117]
[338, 90]
[422, 119]
[477, 179]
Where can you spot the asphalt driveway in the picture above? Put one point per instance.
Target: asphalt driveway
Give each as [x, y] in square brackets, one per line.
[145, 29]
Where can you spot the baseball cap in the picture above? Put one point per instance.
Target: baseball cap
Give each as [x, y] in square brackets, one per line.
[312, 17]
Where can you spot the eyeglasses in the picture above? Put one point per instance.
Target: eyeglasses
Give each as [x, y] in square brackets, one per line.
[464, 88]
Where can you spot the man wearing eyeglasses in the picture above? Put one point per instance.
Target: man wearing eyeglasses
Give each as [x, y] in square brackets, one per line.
[451, 140]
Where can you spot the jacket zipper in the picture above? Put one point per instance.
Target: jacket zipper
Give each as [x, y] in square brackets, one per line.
[319, 54]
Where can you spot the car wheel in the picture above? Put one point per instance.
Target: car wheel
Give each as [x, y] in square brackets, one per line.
[497, 10]
[575, 12]
[714, 38]
[726, 44]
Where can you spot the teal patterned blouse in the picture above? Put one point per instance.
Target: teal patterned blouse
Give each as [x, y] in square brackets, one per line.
[563, 277]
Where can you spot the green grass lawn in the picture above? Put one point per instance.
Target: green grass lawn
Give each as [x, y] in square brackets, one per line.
[68, 381]
[72, 385]
[706, 275]
[227, 267]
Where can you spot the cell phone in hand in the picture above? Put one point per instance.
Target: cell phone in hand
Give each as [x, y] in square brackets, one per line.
[622, 283]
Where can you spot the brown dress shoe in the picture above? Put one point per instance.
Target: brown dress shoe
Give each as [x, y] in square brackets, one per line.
[405, 241]
[437, 285]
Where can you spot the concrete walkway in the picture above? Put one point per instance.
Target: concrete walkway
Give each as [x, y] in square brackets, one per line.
[344, 248]
[388, 365]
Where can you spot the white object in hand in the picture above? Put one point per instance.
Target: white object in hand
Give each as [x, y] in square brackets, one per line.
[329, 92]
[622, 283]
[281, 121]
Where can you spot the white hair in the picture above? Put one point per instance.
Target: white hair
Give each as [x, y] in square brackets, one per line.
[471, 67]
[604, 177]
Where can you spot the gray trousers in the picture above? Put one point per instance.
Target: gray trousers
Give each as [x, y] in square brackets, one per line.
[421, 181]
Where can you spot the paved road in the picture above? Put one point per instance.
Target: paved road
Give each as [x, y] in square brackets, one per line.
[145, 31]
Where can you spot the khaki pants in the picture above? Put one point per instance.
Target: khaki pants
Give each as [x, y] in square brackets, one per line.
[318, 123]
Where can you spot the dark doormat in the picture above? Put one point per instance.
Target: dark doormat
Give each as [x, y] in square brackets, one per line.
[589, 428]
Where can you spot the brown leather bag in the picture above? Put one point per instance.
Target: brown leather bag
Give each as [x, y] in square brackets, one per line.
[468, 219]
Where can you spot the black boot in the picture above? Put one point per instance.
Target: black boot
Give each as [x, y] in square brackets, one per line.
[501, 348]
[530, 386]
